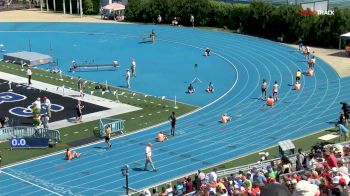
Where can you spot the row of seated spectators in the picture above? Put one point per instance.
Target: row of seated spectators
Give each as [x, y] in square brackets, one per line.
[322, 172]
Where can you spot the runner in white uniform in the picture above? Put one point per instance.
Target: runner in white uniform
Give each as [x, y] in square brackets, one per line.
[275, 91]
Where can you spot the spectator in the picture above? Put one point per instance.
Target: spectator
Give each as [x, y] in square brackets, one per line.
[255, 189]
[197, 183]
[179, 188]
[310, 162]
[45, 121]
[330, 158]
[80, 86]
[169, 190]
[47, 104]
[286, 165]
[271, 173]
[192, 20]
[79, 112]
[301, 160]
[174, 22]
[346, 110]
[37, 103]
[212, 176]
[343, 131]
[163, 192]
[2, 120]
[159, 19]
[257, 177]
[29, 75]
[189, 185]
[342, 119]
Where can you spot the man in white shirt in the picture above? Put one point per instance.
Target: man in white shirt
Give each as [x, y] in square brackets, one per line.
[37, 103]
[47, 104]
[133, 68]
[275, 91]
[159, 19]
[149, 157]
[127, 78]
[192, 20]
[29, 74]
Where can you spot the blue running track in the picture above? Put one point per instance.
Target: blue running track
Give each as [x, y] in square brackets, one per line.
[237, 67]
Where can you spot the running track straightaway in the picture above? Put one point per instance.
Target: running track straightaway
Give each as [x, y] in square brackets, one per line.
[200, 141]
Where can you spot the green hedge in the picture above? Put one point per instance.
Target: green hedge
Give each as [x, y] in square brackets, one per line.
[258, 18]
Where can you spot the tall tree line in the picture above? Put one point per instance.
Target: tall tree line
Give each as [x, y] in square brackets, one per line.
[259, 18]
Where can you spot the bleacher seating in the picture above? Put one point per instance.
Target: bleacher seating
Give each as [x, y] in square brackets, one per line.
[254, 179]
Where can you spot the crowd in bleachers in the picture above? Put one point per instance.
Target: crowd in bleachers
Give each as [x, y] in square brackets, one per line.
[322, 172]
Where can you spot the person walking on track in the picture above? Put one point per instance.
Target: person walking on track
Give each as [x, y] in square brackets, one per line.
[149, 157]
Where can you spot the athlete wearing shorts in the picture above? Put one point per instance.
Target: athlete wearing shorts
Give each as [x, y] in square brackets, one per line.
[108, 135]
[275, 91]
[263, 89]
[297, 76]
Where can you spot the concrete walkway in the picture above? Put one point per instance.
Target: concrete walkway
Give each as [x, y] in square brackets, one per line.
[115, 107]
[334, 57]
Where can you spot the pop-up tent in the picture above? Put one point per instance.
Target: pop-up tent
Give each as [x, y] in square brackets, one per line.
[115, 9]
[345, 36]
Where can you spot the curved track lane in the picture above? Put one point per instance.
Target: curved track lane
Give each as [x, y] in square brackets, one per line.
[201, 141]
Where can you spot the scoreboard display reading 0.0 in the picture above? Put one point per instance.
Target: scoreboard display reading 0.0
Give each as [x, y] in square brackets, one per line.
[29, 142]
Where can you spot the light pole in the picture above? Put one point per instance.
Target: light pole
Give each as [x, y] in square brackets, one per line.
[125, 172]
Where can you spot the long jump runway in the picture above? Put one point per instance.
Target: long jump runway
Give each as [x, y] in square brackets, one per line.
[200, 141]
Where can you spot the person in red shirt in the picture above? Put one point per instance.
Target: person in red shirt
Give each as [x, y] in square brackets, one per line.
[331, 160]
[189, 185]
[255, 189]
[327, 172]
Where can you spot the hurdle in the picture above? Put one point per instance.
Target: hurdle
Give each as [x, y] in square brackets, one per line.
[94, 67]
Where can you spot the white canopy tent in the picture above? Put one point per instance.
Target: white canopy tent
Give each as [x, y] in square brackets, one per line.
[345, 36]
[115, 8]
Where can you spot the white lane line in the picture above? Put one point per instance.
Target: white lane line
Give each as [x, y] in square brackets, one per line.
[43, 188]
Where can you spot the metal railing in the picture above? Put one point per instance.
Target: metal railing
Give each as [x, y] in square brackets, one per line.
[244, 168]
[33, 132]
[116, 125]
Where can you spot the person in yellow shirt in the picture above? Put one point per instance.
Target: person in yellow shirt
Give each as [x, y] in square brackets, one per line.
[298, 76]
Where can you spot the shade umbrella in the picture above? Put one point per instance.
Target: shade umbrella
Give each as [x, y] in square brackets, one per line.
[114, 6]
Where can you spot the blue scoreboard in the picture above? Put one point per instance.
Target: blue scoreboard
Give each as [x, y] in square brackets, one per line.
[29, 142]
